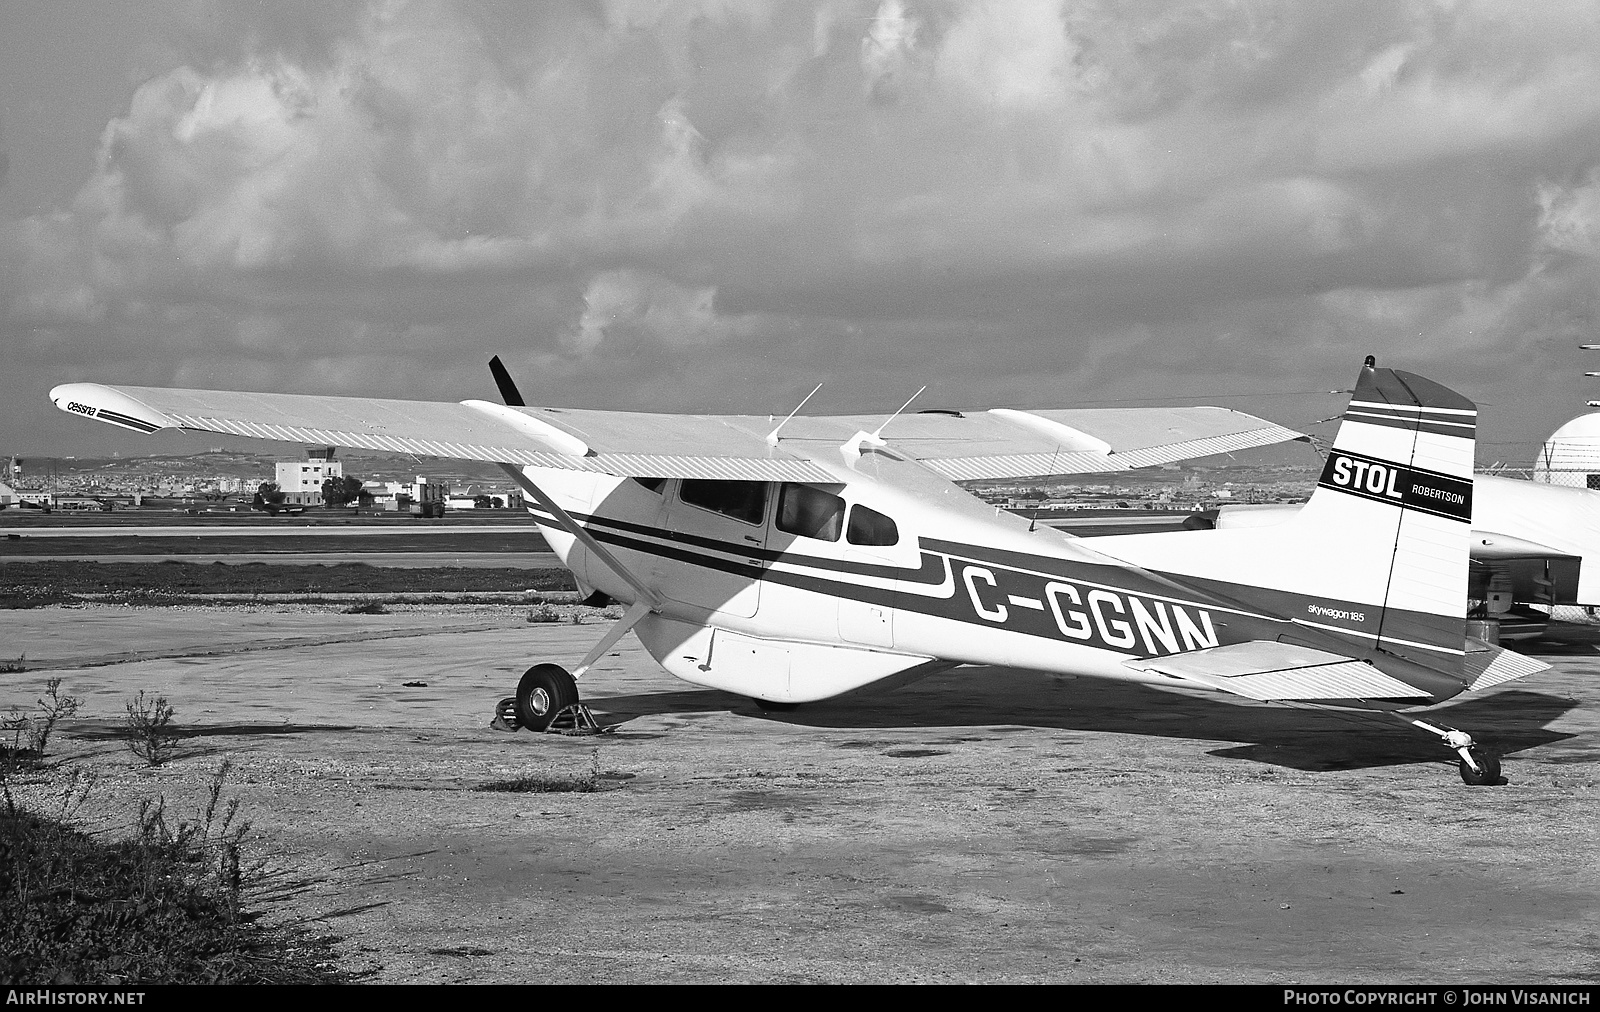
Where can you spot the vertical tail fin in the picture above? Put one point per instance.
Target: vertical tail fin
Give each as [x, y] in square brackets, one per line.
[1379, 556]
[1396, 490]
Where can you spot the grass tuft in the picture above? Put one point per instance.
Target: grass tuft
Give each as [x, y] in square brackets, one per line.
[367, 608]
[586, 782]
[543, 614]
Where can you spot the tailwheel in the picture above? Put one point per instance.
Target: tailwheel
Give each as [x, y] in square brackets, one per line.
[545, 691]
[1487, 773]
[1478, 768]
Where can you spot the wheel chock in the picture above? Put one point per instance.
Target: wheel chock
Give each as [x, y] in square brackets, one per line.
[505, 715]
[577, 720]
[573, 721]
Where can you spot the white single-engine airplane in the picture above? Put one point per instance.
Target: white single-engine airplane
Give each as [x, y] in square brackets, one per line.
[801, 559]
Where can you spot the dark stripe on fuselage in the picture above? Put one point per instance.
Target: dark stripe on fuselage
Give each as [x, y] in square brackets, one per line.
[620, 528]
[1108, 606]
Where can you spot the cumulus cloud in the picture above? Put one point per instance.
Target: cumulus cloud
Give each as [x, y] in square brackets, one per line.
[621, 305]
[1040, 192]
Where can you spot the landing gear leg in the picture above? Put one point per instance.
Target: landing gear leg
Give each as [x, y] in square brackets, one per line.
[646, 600]
[618, 629]
[547, 691]
[1478, 768]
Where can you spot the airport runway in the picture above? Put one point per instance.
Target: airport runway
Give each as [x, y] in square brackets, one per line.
[285, 529]
[392, 560]
[982, 825]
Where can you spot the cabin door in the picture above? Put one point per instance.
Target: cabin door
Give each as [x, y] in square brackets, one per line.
[719, 531]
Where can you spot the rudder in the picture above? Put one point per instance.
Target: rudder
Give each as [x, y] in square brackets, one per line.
[1401, 469]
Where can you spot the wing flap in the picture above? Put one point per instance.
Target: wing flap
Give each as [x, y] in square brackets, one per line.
[1007, 443]
[1271, 671]
[1485, 665]
[1040, 464]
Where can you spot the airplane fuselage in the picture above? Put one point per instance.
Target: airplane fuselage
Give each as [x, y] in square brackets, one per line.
[931, 577]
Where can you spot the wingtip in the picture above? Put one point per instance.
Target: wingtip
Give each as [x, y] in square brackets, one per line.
[107, 404]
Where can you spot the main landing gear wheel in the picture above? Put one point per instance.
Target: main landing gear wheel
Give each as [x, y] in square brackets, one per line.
[1488, 772]
[545, 690]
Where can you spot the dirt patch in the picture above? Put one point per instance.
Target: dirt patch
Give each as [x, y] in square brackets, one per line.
[1077, 831]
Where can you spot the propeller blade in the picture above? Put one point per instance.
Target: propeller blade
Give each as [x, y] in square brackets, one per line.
[508, 389]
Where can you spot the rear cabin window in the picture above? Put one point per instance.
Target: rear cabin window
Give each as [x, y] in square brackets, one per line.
[745, 501]
[810, 513]
[869, 527]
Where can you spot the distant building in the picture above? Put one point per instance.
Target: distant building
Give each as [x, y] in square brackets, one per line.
[1571, 456]
[466, 497]
[398, 495]
[300, 481]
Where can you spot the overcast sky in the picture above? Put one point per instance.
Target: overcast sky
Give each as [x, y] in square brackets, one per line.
[713, 206]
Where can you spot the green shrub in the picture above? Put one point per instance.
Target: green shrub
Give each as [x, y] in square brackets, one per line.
[543, 614]
[151, 734]
[165, 905]
[27, 735]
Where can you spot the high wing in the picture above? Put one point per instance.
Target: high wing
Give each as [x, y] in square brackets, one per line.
[998, 443]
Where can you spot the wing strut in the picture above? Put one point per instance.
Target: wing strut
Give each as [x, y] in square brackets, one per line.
[646, 596]
[618, 629]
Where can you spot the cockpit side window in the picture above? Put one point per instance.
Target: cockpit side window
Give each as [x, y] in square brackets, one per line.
[745, 501]
[810, 512]
[869, 527]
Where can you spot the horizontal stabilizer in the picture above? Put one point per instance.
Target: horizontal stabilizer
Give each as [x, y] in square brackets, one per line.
[1486, 665]
[1268, 670]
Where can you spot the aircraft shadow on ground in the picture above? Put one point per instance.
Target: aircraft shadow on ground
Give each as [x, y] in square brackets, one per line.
[113, 732]
[1297, 738]
[193, 741]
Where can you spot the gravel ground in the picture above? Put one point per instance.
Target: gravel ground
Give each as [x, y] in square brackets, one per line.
[982, 825]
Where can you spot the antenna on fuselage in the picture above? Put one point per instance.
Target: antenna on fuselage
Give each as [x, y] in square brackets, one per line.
[878, 433]
[875, 437]
[772, 437]
[1033, 524]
